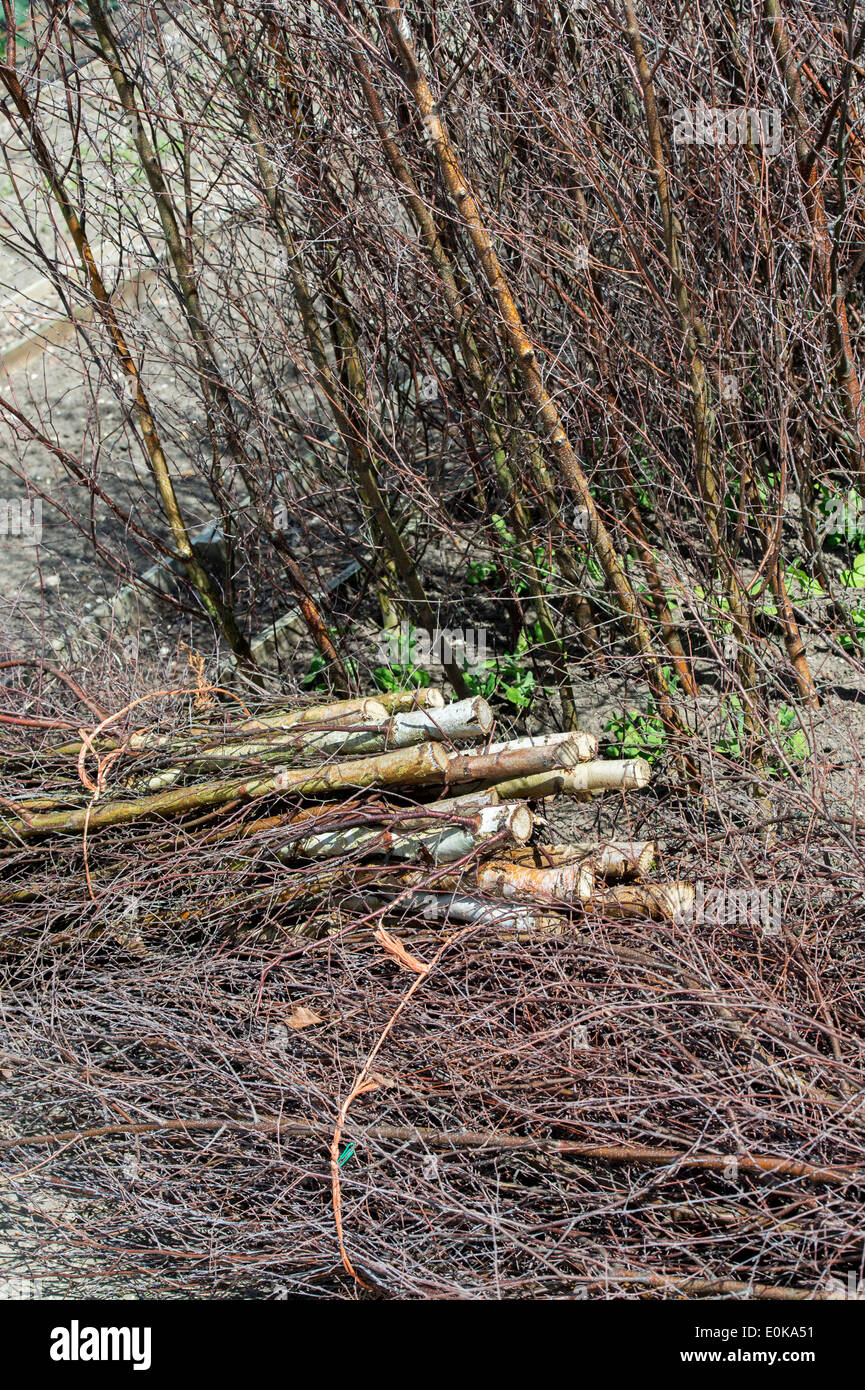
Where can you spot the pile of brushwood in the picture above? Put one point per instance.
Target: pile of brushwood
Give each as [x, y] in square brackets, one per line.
[312, 1000]
[409, 798]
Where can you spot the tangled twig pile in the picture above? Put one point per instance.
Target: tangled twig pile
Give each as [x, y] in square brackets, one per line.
[396, 1039]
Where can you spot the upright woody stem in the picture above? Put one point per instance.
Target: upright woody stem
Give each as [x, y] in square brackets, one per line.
[520, 343]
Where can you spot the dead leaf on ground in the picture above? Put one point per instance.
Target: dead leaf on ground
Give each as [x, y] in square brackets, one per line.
[302, 1018]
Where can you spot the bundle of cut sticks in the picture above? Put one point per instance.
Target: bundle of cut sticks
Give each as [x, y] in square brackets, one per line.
[397, 800]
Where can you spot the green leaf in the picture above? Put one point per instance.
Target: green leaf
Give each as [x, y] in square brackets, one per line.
[636, 735]
[399, 676]
[855, 578]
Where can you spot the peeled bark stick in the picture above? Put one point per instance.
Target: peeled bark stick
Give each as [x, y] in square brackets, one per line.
[443, 844]
[513, 763]
[565, 884]
[425, 763]
[585, 746]
[670, 902]
[612, 861]
[582, 782]
[287, 746]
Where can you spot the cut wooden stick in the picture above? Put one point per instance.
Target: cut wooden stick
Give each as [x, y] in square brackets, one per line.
[459, 907]
[584, 746]
[442, 844]
[513, 762]
[671, 902]
[565, 883]
[610, 775]
[462, 722]
[620, 860]
[613, 860]
[400, 701]
[582, 782]
[341, 713]
[370, 710]
[419, 817]
[428, 762]
[492, 1139]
